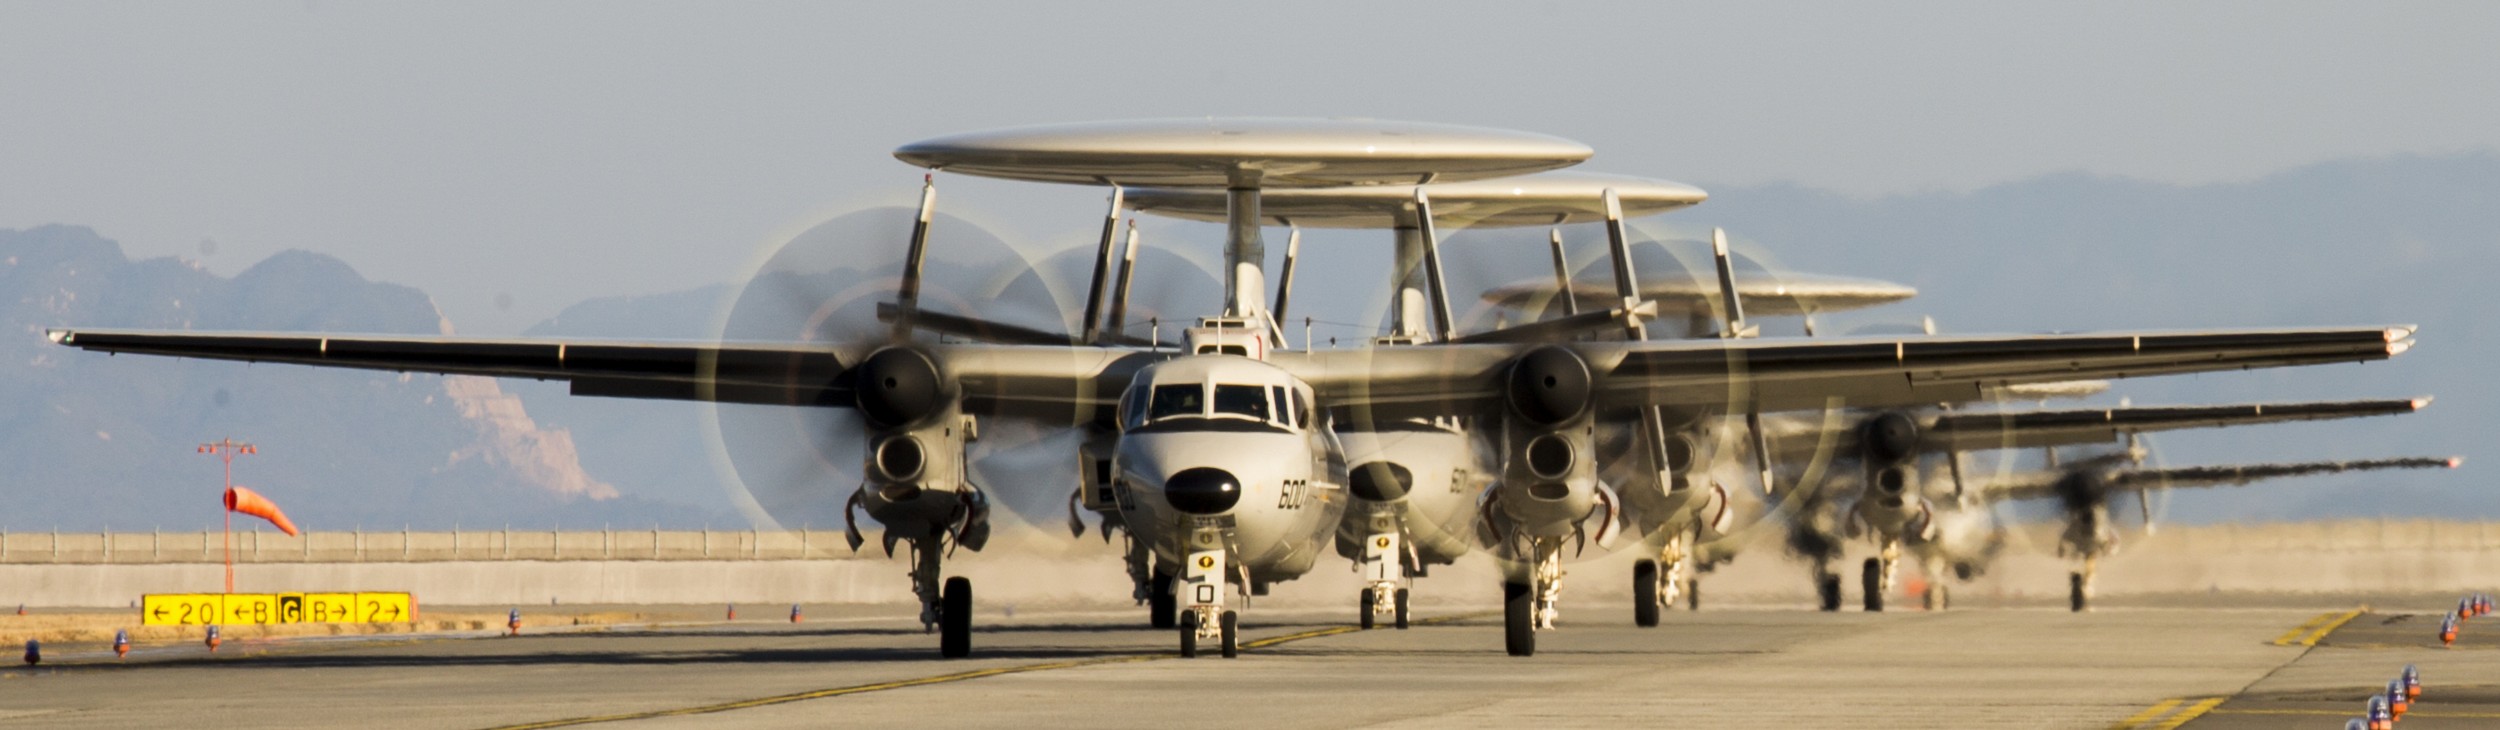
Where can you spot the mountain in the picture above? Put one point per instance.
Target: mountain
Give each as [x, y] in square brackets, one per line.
[94, 441]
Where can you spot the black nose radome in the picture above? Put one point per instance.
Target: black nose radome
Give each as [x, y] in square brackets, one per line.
[1380, 481]
[1202, 491]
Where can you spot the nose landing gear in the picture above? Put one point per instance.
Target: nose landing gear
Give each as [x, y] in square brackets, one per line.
[1203, 616]
[1384, 573]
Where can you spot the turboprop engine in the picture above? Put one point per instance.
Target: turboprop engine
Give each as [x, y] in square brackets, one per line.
[1549, 479]
[915, 483]
[1893, 505]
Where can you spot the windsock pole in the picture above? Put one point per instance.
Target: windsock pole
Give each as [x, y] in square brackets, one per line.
[226, 449]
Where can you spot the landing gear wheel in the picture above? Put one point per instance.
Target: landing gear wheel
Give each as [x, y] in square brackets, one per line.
[1872, 580]
[1231, 624]
[1161, 605]
[1369, 600]
[1400, 599]
[1645, 593]
[955, 619]
[1827, 586]
[1692, 594]
[1936, 597]
[2074, 593]
[1519, 619]
[1189, 638]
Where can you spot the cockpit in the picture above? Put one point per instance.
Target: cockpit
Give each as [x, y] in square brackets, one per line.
[1213, 404]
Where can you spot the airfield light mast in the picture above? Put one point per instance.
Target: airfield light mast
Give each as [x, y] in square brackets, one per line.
[226, 449]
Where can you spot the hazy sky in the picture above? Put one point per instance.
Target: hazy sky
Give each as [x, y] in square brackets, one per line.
[557, 151]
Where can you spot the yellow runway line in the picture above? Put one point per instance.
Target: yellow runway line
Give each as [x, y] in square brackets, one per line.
[2191, 713]
[2149, 713]
[924, 681]
[2316, 629]
[2169, 714]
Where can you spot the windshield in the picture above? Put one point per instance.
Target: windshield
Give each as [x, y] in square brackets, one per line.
[1186, 399]
[1241, 400]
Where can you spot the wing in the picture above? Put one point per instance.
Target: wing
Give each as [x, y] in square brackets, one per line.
[1026, 381]
[1795, 439]
[1777, 374]
[2033, 429]
[2043, 484]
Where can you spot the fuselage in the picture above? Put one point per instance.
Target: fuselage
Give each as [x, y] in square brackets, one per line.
[1422, 478]
[1226, 451]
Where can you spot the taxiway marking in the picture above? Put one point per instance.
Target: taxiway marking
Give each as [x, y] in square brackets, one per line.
[2169, 714]
[938, 679]
[2309, 634]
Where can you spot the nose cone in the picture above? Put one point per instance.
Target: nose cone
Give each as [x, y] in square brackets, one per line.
[1202, 490]
[1380, 481]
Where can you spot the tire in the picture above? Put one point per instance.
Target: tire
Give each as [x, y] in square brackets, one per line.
[1231, 625]
[1189, 641]
[1518, 619]
[1400, 600]
[1692, 594]
[1645, 593]
[1827, 586]
[1368, 597]
[955, 619]
[2074, 593]
[1161, 605]
[1872, 581]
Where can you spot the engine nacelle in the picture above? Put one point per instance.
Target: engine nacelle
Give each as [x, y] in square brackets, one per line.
[899, 387]
[1888, 445]
[915, 481]
[1549, 454]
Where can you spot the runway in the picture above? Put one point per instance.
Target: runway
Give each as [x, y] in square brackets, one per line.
[2147, 667]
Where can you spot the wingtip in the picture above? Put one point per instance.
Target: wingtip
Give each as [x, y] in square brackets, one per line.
[2421, 403]
[2456, 461]
[2400, 332]
[2398, 347]
[58, 337]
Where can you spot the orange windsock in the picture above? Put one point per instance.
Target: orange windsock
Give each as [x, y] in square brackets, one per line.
[249, 502]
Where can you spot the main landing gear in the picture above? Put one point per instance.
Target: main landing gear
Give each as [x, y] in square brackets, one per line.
[1876, 579]
[1657, 583]
[1162, 608]
[1530, 607]
[2079, 585]
[946, 609]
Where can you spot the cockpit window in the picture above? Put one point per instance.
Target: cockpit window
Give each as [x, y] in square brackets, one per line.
[1183, 399]
[1276, 395]
[1133, 407]
[1242, 400]
[1301, 409]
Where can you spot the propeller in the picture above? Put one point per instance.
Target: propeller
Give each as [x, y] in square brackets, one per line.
[840, 281]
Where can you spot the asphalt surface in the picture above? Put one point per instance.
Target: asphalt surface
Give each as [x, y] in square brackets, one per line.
[2197, 667]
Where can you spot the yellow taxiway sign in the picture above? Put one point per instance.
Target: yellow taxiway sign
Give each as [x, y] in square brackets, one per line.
[200, 609]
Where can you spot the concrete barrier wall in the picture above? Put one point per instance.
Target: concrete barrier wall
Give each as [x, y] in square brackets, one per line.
[1035, 567]
[255, 546]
